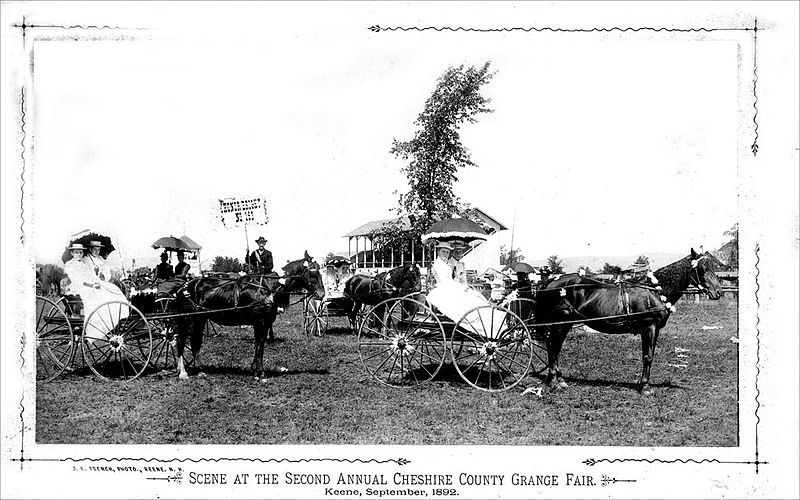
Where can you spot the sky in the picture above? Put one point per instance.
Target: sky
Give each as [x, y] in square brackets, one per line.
[596, 146]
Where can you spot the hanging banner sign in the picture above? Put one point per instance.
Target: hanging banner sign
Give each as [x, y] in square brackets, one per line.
[238, 212]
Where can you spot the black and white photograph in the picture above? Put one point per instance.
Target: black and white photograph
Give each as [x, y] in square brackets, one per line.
[400, 249]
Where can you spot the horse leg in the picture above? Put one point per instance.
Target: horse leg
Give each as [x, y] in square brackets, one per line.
[258, 353]
[183, 328]
[198, 329]
[556, 340]
[353, 314]
[649, 337]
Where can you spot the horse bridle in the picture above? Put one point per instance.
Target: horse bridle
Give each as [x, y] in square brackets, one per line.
[694, 275]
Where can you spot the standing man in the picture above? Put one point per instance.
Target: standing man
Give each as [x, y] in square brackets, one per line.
[260, 260]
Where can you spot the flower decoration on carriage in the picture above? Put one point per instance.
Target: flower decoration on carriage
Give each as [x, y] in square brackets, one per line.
[563, 292]
[652, 277]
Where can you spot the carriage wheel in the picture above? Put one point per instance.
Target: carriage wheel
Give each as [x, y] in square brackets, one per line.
[117, 341]
[492, 348]
[402, 343]
[55, 345]
[315, 317]
[164, 354]
[525, 309]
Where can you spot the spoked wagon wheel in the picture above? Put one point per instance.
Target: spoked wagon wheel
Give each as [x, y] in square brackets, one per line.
[55, 345]
[315, 317]
[492, 348]
[524, 308]
[117, 341]
[402, 343]
[164, 354]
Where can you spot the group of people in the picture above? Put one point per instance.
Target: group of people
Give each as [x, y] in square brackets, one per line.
[89, 277]
[164, 271]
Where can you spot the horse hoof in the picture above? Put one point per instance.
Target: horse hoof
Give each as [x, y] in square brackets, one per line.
[263, 380]
[562, 385]
[647, 392]
[201, 374]
[183, 376]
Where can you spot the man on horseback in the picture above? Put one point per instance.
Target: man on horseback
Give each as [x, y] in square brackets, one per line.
[260, 260]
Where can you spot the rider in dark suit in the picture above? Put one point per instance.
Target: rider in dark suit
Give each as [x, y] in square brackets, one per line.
[260, 260]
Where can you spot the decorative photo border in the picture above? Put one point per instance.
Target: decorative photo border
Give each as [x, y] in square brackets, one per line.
[32, 32]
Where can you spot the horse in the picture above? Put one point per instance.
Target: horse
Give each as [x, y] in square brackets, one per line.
[243, 300]
[366, 290]
[639, 307]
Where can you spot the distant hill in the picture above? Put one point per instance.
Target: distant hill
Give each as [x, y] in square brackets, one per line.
[595, 263]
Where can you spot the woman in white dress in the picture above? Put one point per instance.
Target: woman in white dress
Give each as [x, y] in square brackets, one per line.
[455, 299]
[88, 279]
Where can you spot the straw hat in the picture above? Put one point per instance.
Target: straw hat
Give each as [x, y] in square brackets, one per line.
[76, 246]
[444, 244]
[95, 243]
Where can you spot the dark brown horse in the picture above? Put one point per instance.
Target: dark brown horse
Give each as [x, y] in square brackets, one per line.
[367, 290]
[641, 308]
[245, 300]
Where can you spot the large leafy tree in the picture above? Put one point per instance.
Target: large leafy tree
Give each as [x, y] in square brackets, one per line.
[436, 153]
[555, 264]
[729, 252]
[226, 265]
[510, 256]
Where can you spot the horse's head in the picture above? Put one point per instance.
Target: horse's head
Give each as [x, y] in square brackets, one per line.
[304, 274]
[412, 278]
[703, 274]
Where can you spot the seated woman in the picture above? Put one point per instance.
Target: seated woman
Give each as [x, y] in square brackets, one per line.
[164, 270]
[95, 293]
[181, 268]
[455, 299]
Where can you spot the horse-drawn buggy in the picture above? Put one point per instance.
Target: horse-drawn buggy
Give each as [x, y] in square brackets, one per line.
[318, 312]
[122, 336]
[404, 341]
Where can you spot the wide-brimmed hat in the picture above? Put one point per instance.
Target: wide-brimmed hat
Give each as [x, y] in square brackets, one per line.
[444, 244]
[261, 239]
[76, 246]
[95, 243]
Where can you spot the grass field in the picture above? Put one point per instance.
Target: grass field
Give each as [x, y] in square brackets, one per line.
[325, 397]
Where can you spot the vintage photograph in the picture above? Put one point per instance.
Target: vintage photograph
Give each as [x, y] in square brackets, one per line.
[259, 228]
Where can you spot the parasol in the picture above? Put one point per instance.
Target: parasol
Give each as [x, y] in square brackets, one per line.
[85, 237]
[172, 243]
[336, 261]
[455, 228]
[522, 267]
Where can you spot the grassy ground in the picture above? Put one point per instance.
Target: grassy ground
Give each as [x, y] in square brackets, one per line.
[326, 398]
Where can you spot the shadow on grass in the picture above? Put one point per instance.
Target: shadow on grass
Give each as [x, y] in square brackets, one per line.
[613, 383]
[247, 372]
[340, 330]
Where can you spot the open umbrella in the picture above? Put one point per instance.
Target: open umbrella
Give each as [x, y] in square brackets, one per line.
[336, 261]
[522, 267]
[171, 243]
[455, 228]
[85, 238]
